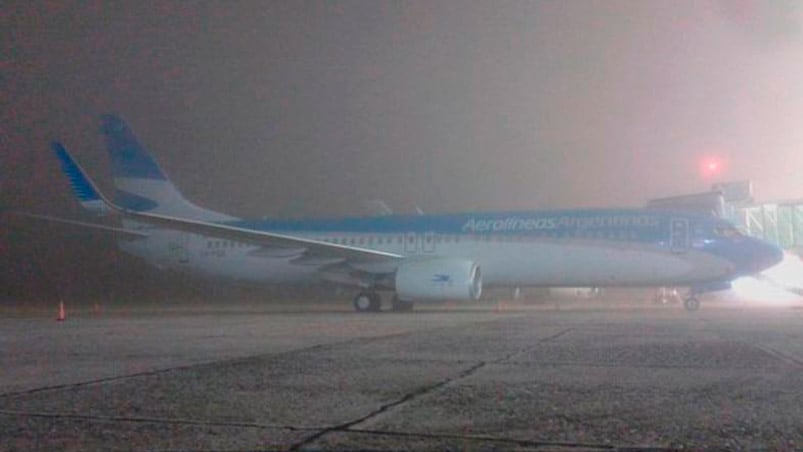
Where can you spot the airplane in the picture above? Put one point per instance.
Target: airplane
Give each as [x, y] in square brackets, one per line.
[420, 258]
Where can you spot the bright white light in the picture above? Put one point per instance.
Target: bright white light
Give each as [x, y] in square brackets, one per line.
[753, 290]
[788, 273]
[771, 287]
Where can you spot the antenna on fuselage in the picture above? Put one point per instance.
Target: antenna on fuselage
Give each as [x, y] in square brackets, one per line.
[379, 207]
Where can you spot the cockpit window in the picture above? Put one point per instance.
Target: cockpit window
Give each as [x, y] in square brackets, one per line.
[727, 231]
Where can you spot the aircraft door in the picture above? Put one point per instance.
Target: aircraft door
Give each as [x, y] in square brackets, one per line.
[179, 248]
[679, 235]
[411, 242]
[428, 243]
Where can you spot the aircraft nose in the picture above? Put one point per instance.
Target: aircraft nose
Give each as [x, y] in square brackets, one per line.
[749, 255]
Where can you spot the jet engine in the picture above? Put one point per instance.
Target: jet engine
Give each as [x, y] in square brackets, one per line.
[439, 279]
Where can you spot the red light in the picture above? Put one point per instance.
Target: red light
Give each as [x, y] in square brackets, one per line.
[711, 166]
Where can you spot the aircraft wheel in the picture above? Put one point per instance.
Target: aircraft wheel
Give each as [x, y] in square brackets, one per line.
[367, 302]
[691, 304]
[400, 305]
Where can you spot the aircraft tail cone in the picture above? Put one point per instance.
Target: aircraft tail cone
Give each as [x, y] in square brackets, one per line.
[62, 315]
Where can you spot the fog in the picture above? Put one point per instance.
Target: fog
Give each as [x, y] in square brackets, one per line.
[313, 108]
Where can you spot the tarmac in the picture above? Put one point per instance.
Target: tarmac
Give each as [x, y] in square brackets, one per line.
[446, 377]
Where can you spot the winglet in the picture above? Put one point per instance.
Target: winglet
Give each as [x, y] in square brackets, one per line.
[82, 186]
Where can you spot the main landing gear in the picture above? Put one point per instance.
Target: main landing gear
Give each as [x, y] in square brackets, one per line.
[691, 303]
[369, 301]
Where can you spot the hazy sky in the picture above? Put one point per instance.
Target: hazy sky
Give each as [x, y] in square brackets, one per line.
[312, 108]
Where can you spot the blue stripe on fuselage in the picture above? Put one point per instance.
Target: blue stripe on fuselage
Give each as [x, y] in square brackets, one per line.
[631, 225]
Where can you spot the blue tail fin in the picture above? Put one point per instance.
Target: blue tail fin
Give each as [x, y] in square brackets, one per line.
[140, 183]
[129, 158]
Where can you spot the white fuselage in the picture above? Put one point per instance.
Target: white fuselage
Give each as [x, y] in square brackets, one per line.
[505, 261]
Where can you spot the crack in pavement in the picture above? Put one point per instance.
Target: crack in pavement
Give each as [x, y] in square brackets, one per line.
[615, 365]
[147, 420]
[786, 358]
[238, 360]
[512, 441]
[229, 361]
[254, 425]
[319, 431]
[347, 426]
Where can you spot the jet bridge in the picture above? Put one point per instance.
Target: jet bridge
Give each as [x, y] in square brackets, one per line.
[779, 222]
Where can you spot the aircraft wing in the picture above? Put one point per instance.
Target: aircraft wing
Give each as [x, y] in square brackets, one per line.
[311, 248]
[121, 232]
[307, 249]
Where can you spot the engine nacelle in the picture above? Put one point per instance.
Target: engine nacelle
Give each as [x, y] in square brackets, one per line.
[439, 279]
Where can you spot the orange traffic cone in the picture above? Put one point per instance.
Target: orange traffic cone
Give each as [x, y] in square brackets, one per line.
[62, 315]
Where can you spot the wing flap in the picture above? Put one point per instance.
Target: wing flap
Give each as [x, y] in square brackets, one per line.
[125, 233]
[310, 248]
